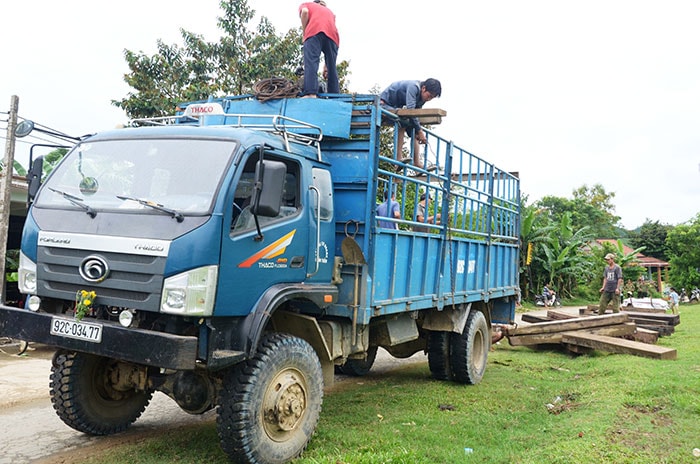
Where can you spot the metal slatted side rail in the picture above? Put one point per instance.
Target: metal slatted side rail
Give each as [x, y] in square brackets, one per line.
[475, 241]
[475, 200]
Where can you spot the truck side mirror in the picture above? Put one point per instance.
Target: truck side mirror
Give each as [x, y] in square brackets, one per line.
[269, 184]
[34, 177]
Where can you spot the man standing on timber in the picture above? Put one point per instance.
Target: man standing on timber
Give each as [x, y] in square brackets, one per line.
[612, 285]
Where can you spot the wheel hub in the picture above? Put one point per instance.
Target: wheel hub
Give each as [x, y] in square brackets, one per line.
[284, 403]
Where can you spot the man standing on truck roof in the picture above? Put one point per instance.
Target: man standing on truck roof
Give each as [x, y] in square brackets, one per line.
[410, 95]
[320, 34]
[390, 208]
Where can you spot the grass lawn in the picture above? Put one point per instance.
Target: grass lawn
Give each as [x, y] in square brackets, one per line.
[533, 406]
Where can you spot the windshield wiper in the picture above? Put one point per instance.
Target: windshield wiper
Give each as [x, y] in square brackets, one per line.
[77, 201]
[154, 205]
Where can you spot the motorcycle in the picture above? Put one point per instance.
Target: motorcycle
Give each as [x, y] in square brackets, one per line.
[694, 296]
[554, 301]
[683, 297]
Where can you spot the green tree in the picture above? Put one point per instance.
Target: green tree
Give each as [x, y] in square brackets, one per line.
[563, 258]
[51, 160]
[652, 236]
[683, 245]
[534, 230]
[590, 207]
[198, 69]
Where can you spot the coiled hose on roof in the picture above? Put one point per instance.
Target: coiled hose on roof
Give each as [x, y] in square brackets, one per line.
[275, 87]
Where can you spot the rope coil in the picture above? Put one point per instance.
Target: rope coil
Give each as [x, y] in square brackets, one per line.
[275, 87]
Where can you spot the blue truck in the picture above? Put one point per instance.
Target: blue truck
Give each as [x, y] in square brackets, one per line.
[231, 256]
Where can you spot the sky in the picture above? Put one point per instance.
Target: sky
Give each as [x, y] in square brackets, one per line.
[565, 93]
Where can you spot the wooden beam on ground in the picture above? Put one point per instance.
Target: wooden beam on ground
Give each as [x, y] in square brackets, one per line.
[618, 345]
[534, 318]
[643, 335]
[535, 339]
[669, 319]
[577, 349]
[573, 324]
[555, 315]
[661, 329]
[616, 330]
[643, 310]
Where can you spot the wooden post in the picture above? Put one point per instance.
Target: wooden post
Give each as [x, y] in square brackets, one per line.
[5, 189]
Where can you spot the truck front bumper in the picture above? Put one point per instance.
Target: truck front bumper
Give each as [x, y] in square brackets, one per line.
[157, 349]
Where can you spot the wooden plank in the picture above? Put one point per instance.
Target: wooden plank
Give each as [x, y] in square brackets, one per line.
[647, 321]
[643, 310]
[577, 349]
[424, 115]
[420, 112]
[618, 345]
[535, 339]
[670, 319]
[643, 335]
[559, 315]
[572, 324]
[662, 330]
[617, 330]
[534, 318]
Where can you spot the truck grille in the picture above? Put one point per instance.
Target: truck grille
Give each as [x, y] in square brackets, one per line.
[132, 281]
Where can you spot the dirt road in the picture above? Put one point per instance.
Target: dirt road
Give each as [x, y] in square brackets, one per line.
[32, 432]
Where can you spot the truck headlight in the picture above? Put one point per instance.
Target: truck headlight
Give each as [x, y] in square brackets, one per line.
[191, 293]
[26, 274]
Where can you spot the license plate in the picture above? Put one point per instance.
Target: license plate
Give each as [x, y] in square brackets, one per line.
[78, 330]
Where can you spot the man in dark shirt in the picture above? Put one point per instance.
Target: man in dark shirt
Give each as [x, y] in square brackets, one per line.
[612, 285]
[411, 95]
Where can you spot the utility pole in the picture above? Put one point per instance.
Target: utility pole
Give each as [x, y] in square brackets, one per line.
[5, 187]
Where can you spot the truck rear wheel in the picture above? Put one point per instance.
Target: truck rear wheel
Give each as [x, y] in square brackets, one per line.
[359, 367]
[270, 404]
[469, 351]
[439, 355]
[85, 398]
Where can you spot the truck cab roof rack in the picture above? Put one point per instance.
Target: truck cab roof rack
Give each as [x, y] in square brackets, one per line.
[213, 114]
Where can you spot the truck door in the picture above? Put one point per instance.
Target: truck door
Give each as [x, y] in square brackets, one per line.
[250, 264]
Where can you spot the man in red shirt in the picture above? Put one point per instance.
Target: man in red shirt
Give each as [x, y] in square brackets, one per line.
[320, 35]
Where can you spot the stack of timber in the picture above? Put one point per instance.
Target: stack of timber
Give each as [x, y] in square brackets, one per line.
[614, 333]
[651, 319]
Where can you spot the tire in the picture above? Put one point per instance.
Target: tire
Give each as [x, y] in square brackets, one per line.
[359, 367]
[269, 405]
[84, 398]
[469, 351]
[439, 355]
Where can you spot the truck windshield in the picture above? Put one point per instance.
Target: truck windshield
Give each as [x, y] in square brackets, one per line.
[181, 176]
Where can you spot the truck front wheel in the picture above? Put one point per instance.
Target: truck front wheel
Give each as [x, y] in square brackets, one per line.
[270, 404]
[85, 397]
[469, 350]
